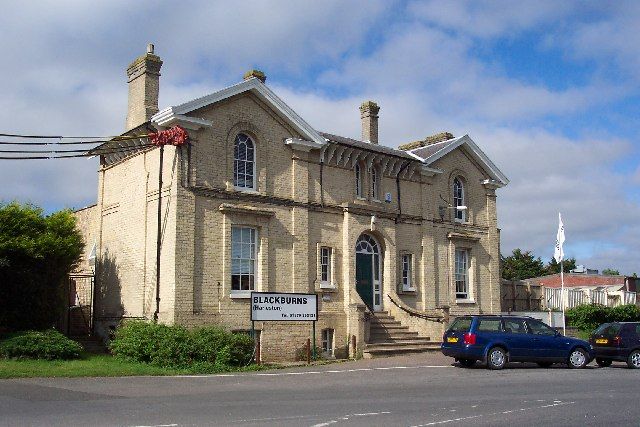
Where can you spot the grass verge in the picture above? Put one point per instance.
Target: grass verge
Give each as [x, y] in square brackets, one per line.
[95, 366]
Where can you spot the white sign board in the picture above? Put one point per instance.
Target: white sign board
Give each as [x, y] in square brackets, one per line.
[283, 306]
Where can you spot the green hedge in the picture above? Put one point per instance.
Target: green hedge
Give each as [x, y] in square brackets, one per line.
[49, 345]
[178, 347]
[588, 317]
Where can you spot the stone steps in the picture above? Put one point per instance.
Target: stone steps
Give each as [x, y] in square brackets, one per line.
[388, 337]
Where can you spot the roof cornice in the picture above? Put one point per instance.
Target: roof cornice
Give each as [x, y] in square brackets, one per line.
[259, 89]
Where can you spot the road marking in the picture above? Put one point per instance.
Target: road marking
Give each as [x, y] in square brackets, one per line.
[346, 418]
[470, 417]
[333, 371]
[160, 425]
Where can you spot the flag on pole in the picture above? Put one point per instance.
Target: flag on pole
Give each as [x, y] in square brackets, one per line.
[559, 253]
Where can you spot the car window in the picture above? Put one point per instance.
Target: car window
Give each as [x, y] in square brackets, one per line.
[609, 329]
[514, 326]
[489, 325]
[638, 329]
[461, 324]
[539, 328]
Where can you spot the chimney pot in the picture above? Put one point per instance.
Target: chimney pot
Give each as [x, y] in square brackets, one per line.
[150, 48]
[255, 73]
[369, 117]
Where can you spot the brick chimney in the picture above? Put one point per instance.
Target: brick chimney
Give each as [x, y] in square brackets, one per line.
[144, 83]
[369, 116]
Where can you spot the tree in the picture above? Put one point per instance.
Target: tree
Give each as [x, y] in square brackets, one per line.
[521, 265]
[610, 272]
[553, 267]
[37, 252]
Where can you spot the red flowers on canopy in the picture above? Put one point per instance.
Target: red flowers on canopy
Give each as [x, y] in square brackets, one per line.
[172, 136]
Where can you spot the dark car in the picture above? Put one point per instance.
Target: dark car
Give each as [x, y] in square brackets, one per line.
[618, 341]
[496, 340]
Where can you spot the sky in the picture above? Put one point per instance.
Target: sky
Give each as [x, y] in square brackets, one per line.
[549, 90]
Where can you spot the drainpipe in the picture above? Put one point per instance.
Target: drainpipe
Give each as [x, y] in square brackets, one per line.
[321, 188]
[398, 190]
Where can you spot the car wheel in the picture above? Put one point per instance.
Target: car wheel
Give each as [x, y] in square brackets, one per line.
[577, 359]
[634, 359]
[497, 358]
[467, 363]
[545, 364]
[603, 362]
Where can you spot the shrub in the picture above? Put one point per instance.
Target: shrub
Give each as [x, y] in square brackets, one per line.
[49, 345]
[177, 347]
[588, 317]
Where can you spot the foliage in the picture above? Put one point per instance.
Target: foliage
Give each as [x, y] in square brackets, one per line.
[521, 265]
[588, 317]
[553, 267]
[610, 272]
[37, 253]
[49, 345]
[208, 349]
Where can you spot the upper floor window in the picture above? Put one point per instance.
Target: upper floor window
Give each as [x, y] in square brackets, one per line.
[244, 164]
[244, 251]
[458, 200]
[375, 183]
[358, 181]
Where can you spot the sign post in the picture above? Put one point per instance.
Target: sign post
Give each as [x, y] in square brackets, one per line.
[285, 307]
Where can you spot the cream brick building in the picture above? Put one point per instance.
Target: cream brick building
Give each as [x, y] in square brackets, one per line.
[261, 200]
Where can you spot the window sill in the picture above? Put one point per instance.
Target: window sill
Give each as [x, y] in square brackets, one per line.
[246, 190]
[240, 294]
[408, 291]
[326, 287]
[465, 301]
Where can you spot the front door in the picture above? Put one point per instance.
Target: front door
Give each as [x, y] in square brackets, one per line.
[364, 278]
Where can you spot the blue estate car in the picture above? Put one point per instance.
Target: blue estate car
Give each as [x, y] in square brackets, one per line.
[619, 341]
[496, 340]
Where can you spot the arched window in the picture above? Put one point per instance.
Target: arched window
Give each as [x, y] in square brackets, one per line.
[458, 200]
[358, 181]
[244, 165]
[375, 183]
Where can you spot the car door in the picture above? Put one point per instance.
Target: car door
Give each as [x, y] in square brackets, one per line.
[547, 344]
[516, 338]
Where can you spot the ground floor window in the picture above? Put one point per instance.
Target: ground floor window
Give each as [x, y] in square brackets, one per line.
[243, 258]
[327, 342]
[462, 274]
[407, 269]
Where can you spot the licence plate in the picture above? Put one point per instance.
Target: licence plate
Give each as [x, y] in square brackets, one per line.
[602, 341]
[452, 339]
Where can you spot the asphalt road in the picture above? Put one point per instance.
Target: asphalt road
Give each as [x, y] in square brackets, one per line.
[423, 390]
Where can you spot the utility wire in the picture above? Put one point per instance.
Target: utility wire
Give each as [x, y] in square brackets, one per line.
[110, 138]
[95, 150]
[62, 154]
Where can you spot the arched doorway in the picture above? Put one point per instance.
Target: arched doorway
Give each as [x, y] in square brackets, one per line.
[368, 274]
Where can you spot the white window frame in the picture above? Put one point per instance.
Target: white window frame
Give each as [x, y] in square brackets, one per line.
[236, 161]
[253, 258]
[358, 175]
[327, 343]
[375, 183]
[462, 275]
[326, 260]
[406, 272]
[330, 283]
[458, 200]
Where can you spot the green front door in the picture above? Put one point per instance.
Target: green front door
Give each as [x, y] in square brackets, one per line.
[364, 278]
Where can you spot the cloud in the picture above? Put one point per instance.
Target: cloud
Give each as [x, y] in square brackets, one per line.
[432, 66]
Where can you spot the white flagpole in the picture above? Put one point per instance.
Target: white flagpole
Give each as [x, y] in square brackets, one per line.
[564, 326]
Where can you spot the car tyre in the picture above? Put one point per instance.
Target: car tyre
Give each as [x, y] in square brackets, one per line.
[633, 361]
[603, 362]
[467, 363]
[497, 358]
[545, 364]
[578, 358]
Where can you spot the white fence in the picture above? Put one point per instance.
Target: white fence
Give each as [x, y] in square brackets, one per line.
[573, 297]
